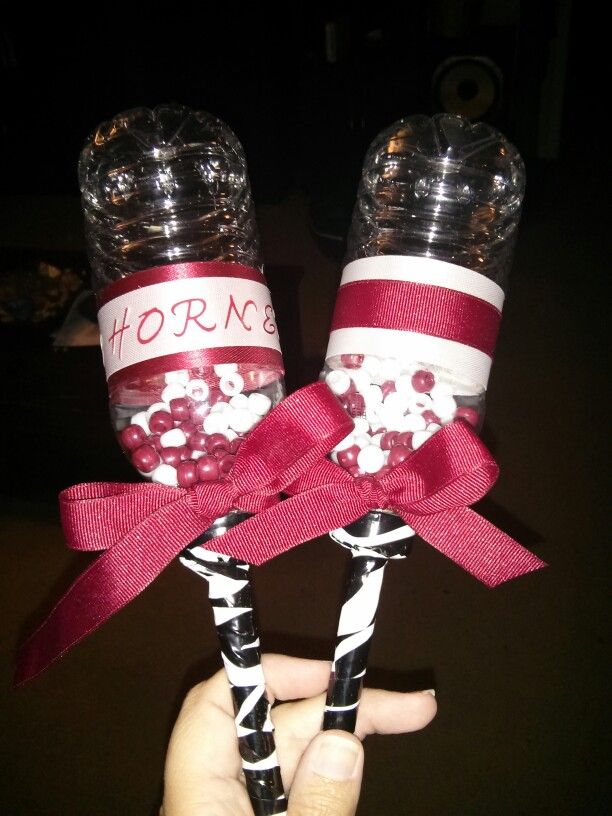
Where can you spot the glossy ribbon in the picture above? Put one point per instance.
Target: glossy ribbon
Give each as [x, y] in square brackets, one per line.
[143, 527]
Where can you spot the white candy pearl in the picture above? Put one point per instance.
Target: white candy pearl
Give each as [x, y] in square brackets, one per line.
[413, 423]
[259, 404]
[371, 415]
[420, 403]
[361, 378]
[217, 423]
[396, 402]
[389, 417]
[222, 369]
[195, 454]
[165, 474]
[363, 440]
[345, 443]
[157, 406]
[181, 377]
[362, 426]
[371, 365]
[390, 369]
[173, 438]
[173, 391]
[403, 385]
[419, 438]
[239, 401]
[197, 390]
[243, 420]
[375, 440]
[230, 435]
[370, 459]
[338, 381]
[141, 419]
[444, 407]
[373, 395]
[441, 389]
[433, 427]
[231, 384]
[220, 408]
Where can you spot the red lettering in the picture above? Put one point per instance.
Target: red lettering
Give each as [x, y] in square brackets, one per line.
[269, 326]
[194, 317]
[240, 315]
[118, 332]
[143, 320]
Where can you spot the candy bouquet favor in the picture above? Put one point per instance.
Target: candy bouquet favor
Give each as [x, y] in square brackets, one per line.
[193, 364]
[413, 332]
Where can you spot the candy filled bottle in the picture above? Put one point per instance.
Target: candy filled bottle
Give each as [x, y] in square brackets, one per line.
[191, 351]
[439, 204]
[164, 188]
[413, 331]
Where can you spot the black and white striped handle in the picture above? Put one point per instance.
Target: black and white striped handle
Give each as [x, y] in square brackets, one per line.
[230, 594]
[373, 541]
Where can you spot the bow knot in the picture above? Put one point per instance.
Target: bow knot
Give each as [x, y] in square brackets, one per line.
[370, 490]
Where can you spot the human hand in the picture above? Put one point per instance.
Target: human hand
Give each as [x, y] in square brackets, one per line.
[323, 770]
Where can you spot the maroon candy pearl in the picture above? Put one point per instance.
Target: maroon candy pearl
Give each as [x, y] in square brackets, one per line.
[423, 381]
[184, 453]
[226, 463]
[145, 458]
[187, 473]
[208, 469]
[156, 442]
[397, 455]
[351, 360]
[170, 456]
[235, 444]
[388, 439]
[429, 416]
[217, 442]
[355, 405]
[188, 428]
[388, 387]
[356, 471]
[216, 395]
[348, 457]
[160, 422]
[179, 408]
[405, 438]
[197, 441]
[132, 437]
[468, 414]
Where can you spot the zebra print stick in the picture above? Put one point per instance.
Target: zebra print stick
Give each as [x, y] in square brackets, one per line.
[373, 540]
[231, 597]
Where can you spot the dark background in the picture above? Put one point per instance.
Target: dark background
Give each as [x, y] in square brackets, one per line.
[521, 671]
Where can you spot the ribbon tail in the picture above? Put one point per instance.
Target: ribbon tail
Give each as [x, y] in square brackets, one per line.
[295, 520]
[111, 582]
[475, 544]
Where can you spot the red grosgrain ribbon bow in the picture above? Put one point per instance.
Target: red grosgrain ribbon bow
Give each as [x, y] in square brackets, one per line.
[143, 527]
[431, 491]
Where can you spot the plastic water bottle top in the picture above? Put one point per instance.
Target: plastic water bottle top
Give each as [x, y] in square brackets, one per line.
[164, 186]
[443, 188]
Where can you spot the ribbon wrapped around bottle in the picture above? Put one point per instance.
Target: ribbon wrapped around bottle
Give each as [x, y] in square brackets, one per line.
[143, 527]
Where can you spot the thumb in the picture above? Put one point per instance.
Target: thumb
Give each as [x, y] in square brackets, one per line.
[328, 778]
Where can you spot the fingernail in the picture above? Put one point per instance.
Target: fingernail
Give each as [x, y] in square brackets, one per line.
[429, 691]
[335, 757]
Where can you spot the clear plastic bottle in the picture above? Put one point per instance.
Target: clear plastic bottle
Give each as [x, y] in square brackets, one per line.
[443, 195]
[165, 187]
